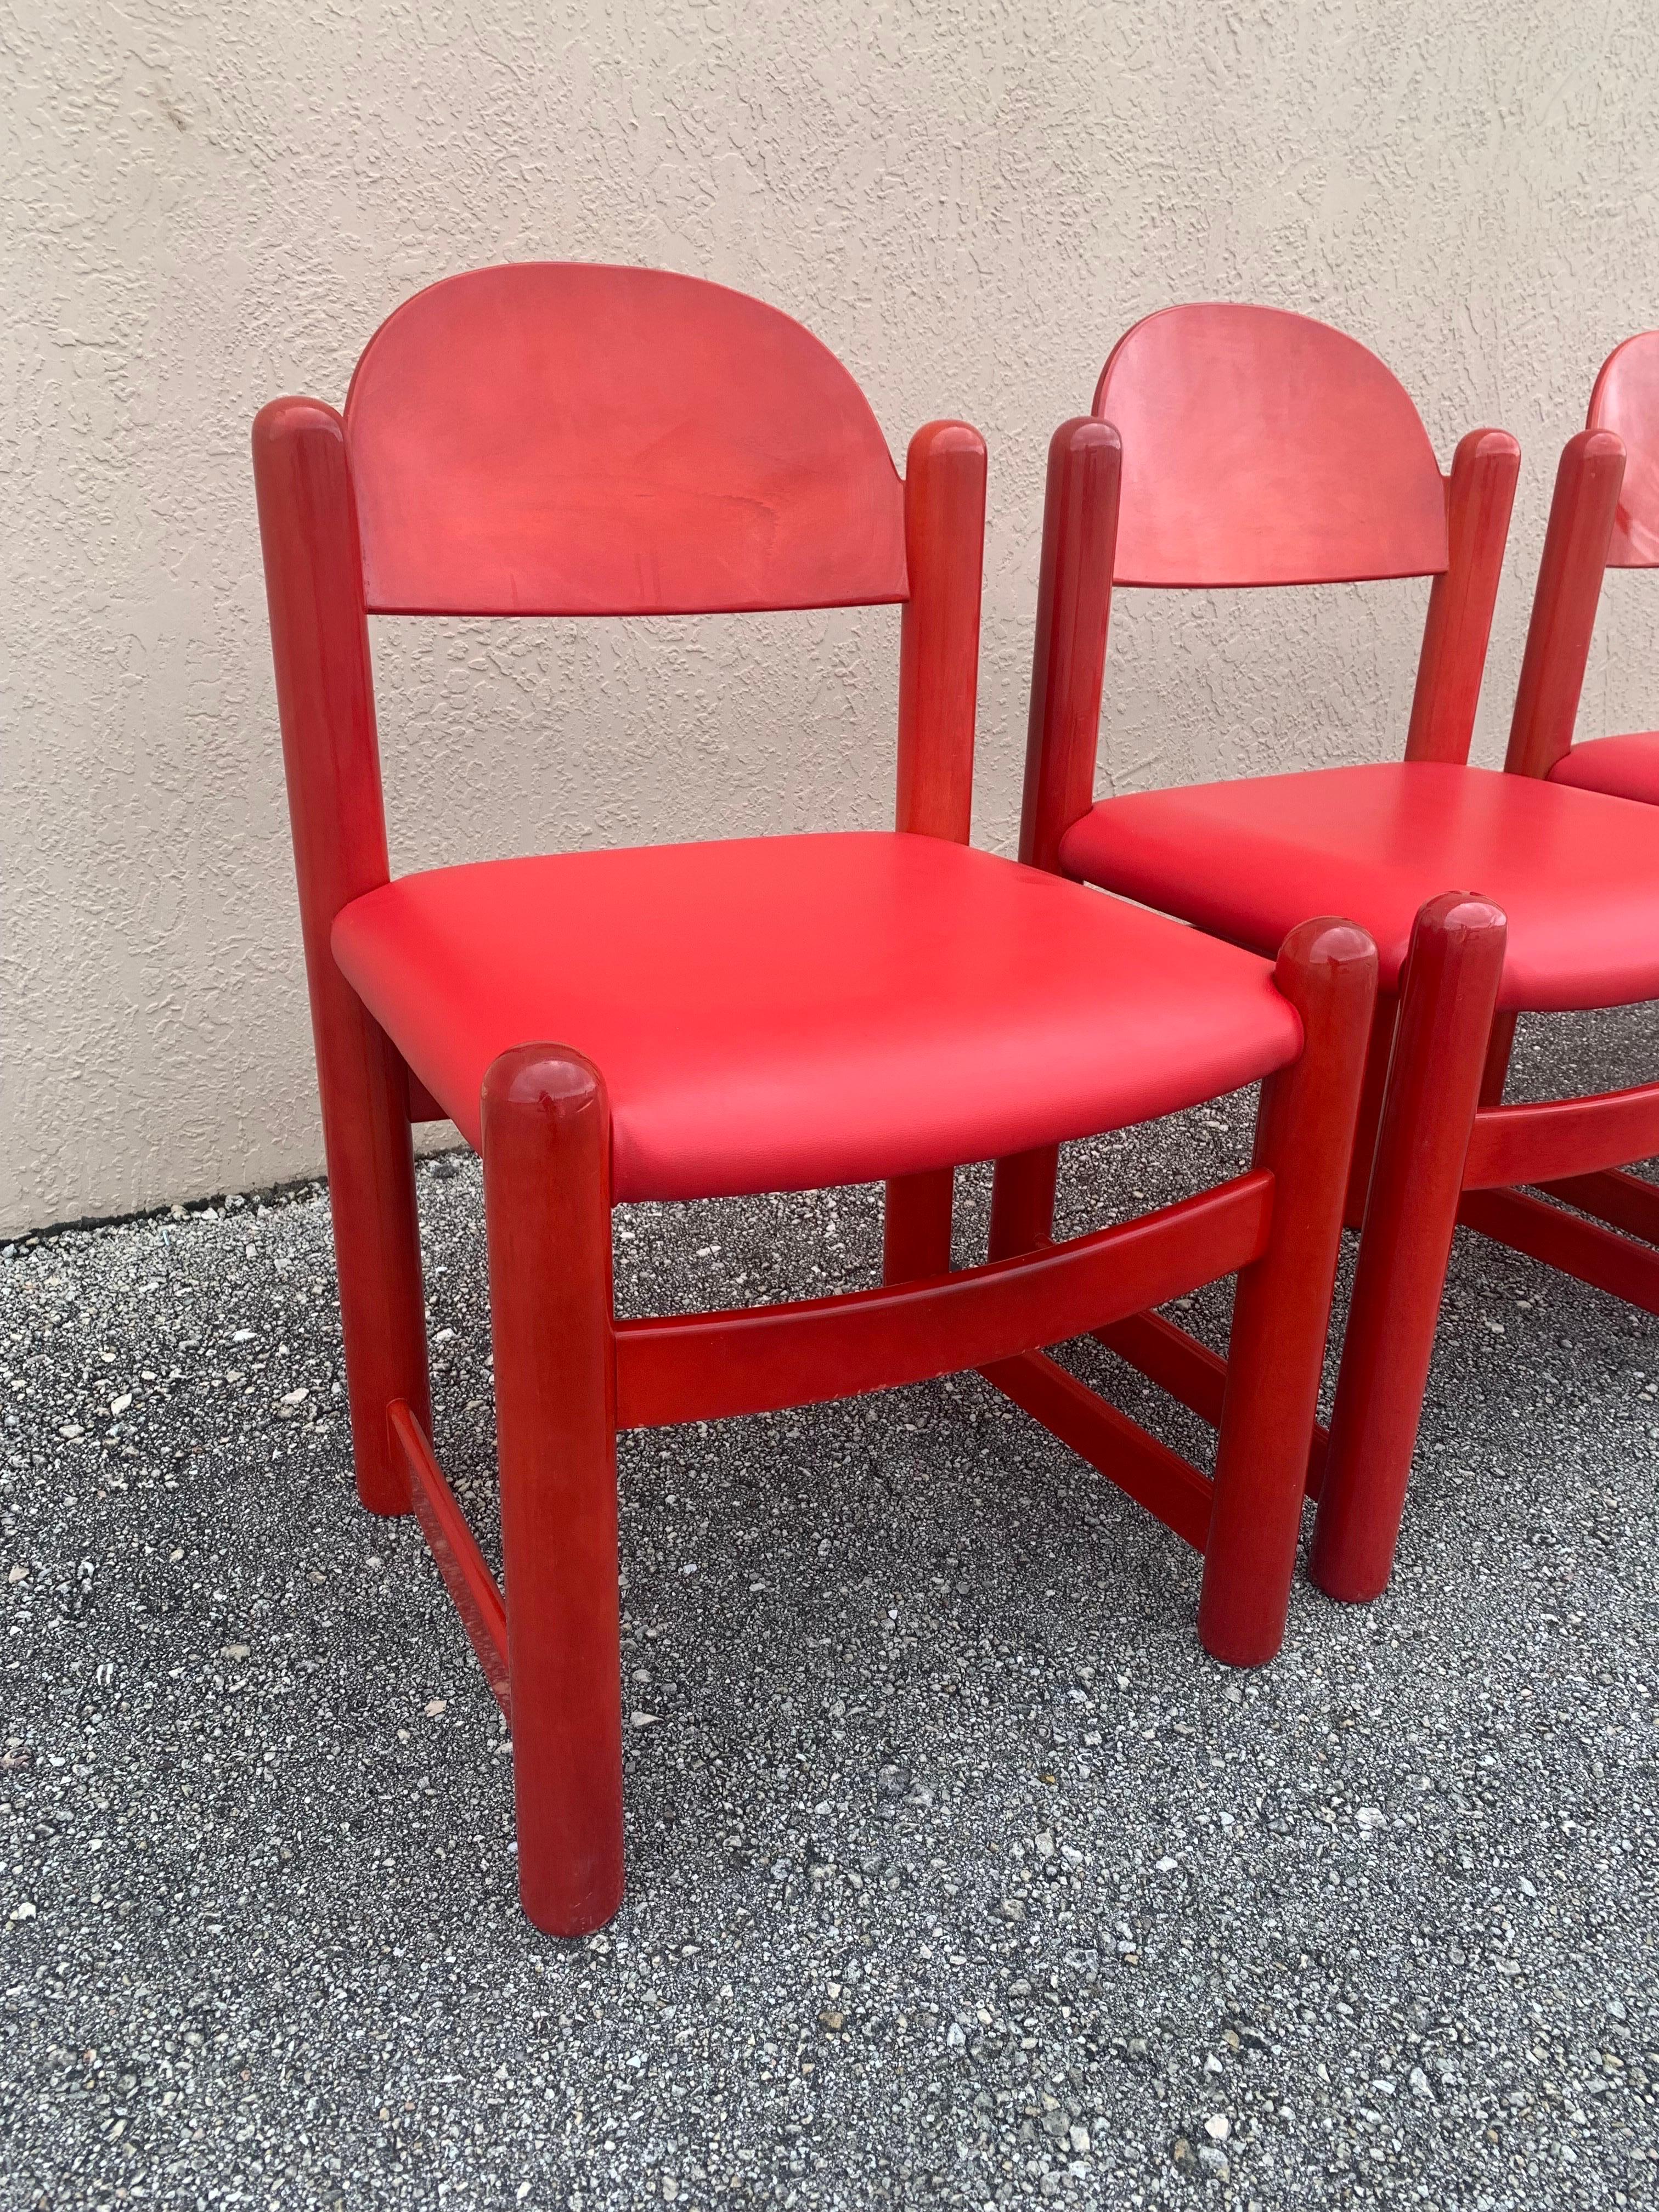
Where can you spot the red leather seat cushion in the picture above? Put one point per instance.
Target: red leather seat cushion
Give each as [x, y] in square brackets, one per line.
[1578, 874]
[1627, 766]
[787, 1013]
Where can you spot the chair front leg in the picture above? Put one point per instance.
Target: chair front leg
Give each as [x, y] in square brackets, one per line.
[1304, 1131]
[1453, 971]
[547, 1212]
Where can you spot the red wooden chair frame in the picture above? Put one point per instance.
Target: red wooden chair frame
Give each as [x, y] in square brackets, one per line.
[338, 546]
[1605, 514]
[1436, 1145]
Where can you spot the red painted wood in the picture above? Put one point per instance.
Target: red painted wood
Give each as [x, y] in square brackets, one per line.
[1074, 597]
[1327, 970]
[1605, 514]
[547, 1215]
[703, 1367]
[1625, 401]
[551, 439]
[1262, 447]
[1626, 1202]
[1172, 1490]
[916, 1239]
[326, 701]
[1074, 605]
[1190, 1371]
[1258, 449]
[560, 437]
[1496, 1072]
[1479, 493]
[939, 638]
[1583, 1248]
[1193, 1374]
[1450, 995]
[1023, 1201]
[1269, 1388]
[423, 1106]
[1368, 1120]
[1569, 592]
[1538, 1142]
[453, 1545]
[1074, 602]
[939, 677]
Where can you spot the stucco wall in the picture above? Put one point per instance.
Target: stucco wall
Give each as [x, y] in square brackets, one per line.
[967, 200]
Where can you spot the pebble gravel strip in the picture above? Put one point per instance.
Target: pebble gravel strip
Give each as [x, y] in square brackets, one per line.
[958, 1874]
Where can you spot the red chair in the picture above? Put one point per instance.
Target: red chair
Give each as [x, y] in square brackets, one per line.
[1234, 446]
[1605, 516]
[710, 1019]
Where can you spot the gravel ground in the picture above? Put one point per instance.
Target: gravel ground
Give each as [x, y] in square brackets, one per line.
[959, 1875]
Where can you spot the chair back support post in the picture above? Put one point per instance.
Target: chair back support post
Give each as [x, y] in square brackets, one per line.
[939, 696]
[325, 701]
[1479, 493]
[1074, 608]
[1062, 744]
[1564, 608]
[324, 680]
[938, 646]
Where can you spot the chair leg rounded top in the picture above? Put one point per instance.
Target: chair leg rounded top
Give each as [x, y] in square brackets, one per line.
[1461, 914]
[555, 1077]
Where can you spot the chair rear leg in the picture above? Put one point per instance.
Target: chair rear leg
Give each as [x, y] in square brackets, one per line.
[1022, 1188]
[1304, 1134]
[916, 1238]
[1497, 1071]
[1372, 1093]
[377, 1244]
[547, 1211]
[1450, 991]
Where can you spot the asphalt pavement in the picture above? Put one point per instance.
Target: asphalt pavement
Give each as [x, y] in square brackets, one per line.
[959, 1875]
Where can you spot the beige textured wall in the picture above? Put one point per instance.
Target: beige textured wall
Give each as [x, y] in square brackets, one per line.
[207, 205]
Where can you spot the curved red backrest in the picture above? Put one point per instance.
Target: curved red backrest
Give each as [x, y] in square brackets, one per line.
[1259, 448]
[554, 437]
[1625, 401]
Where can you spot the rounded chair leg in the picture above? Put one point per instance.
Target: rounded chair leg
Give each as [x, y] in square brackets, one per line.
[1450, 994]
[916, 1239]
[1371, 1094]
[547, 1213]
[377, 1244]
[1023, 1186]
[1497, 1071]
[1304, 1133]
